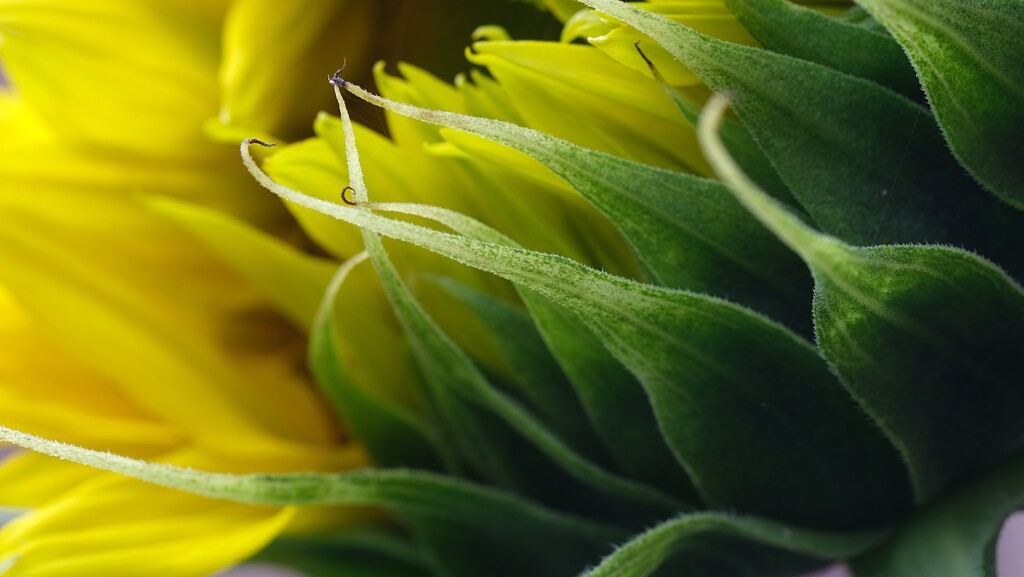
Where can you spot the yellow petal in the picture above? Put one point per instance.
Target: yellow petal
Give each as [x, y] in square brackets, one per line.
[138, 75]
[563, 9]
[174, 352]
[27, 169]
[484, 97]
[110, 526]
[31, 480]
[47, 391]
[711, 17]
[580, 94]
[418, 87]
[17, 123]
[277, 56]
[293, 281]
[542, 212]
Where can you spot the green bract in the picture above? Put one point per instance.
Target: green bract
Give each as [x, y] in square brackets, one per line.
[826, 371]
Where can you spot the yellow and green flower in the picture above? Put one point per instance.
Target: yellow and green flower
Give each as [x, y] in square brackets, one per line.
[677, 287]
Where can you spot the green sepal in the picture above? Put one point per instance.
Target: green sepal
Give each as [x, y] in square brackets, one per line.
[393, 436]
[720, 545]
[967, 55]
[929, 339]
[801, 32]
[926, 338]
[684, 347]
[608, 391]
[955, 536]
[531, 368]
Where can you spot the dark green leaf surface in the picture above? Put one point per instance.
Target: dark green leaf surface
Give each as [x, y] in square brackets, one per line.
[956, 536]
[967, 55]
[807, 34]
[867, 164]
[718, 545]
[927, 338]
[608, 391]
[531, 367]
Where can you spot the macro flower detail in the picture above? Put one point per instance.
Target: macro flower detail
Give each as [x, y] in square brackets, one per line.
[654, 288]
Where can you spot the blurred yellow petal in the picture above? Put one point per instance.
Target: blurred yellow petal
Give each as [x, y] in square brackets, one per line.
[563, 9]
[580, 94]
[293, 281]
[32, 480]
[214, 180]
[277, 56]
[50, 392]
[110, 526]
[18, 125]
[140, 75]
[170, 350]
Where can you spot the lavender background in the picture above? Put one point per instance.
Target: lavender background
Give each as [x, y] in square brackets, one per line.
[1010, 552]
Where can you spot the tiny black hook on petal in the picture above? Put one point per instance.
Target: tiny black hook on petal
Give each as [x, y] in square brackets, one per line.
[346, 199]
[260, 142]
[336, 78]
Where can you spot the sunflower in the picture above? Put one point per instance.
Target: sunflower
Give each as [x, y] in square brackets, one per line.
[624, 328]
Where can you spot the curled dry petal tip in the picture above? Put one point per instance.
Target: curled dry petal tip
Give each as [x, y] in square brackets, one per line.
[644, 56]
[260, 142]
[346, 199]
[336, 78]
